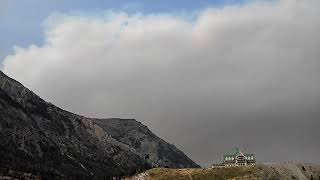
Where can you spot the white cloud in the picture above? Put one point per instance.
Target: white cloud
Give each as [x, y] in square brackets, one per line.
[179, 76]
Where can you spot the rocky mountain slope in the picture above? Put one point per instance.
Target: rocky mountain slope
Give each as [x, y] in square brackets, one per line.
[148, 145]
[287, 171]
[40, 138]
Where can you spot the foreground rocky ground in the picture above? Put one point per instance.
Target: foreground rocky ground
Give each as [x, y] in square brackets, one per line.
[287, 171]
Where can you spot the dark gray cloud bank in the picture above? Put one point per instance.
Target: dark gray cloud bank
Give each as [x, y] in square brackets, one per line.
[246, 76]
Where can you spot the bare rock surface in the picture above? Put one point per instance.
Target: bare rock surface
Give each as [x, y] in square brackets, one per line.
[295, 170]
[39, 138]
[146, 144]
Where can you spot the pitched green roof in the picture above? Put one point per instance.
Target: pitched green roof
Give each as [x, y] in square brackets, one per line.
[236, 153]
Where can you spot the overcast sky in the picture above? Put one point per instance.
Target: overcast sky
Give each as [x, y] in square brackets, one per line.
[206, 77]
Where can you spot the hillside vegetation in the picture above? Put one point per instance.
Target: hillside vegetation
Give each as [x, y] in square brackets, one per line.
[263, 171]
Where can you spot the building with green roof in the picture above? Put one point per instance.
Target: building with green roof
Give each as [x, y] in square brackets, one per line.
[238, 158]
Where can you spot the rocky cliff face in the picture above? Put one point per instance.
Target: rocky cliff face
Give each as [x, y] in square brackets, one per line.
[38, 137]
[147, 145]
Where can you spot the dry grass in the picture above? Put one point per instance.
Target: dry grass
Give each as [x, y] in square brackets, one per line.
[277, 171]
[204, 174]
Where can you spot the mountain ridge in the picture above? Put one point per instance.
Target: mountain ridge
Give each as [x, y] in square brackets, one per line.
[145, 142]
[41, 138]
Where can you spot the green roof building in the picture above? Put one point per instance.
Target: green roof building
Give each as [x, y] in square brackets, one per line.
[238, 158]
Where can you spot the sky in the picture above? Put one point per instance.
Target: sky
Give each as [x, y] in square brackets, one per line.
[206, 76]
[22, 20]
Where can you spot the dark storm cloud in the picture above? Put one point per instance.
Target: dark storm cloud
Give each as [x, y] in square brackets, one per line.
[244, 76]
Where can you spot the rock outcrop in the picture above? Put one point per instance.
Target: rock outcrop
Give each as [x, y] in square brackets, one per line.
[39, 138]
[150, 147]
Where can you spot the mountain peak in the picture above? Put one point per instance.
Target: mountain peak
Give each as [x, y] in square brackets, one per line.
[38, 137]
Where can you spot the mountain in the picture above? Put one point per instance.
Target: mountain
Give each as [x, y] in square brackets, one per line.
[147, 144]
[288, 171]
[39, 138]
